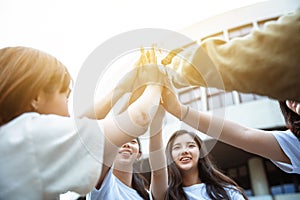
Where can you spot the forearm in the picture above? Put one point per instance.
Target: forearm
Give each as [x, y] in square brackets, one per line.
[136, 119]
[104, 105]
[129, 125]
[158, 165]
[157, 158]
[144, 108]
[214, 126]
[255, 141]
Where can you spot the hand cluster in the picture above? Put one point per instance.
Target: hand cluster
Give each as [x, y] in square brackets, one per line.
[148, 72]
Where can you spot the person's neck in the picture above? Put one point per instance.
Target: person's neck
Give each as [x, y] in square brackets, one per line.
[190, 178]
[125, 176]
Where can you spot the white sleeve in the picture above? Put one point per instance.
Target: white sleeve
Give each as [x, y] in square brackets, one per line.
[290, 145]
[108, 184]
[233, 193]
[69, 155]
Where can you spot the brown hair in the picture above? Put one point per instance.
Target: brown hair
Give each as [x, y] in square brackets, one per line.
[24, 72]
[292, 119]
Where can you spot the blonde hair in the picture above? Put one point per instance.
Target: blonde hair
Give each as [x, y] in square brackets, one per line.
[24, 72]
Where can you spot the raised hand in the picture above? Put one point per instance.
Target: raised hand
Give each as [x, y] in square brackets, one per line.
[145, 71]
[148, 72]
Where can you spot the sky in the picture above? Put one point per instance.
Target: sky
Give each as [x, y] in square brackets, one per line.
[71, 29]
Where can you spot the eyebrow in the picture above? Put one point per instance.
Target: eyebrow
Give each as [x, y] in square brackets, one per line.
[186, 143]
[192, 142]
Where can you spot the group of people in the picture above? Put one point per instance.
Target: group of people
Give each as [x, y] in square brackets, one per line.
[45, 152]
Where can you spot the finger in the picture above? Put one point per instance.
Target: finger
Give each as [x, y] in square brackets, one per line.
[148, 56]
[153, 58]
[142, 59]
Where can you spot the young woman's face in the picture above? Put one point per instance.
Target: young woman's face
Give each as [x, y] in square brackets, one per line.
[128, 152]
[54, 103]
[185, 152]
[294, 106]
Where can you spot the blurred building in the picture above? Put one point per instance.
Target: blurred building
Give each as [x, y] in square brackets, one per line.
[258, 176]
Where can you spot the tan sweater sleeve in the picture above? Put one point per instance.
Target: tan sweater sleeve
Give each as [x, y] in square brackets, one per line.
[265, 62]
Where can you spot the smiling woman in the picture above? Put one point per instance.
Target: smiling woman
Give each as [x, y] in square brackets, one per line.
[121, 181]
[192, 175]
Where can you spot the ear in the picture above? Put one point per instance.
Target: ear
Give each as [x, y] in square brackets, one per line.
[35, 102]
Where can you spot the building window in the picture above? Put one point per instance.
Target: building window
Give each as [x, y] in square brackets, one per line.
[217, 98]
[244, 97]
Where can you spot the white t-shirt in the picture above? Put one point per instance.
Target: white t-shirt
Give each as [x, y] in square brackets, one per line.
[42, 156]
[198, 191]
[290, 145]
[113, 189]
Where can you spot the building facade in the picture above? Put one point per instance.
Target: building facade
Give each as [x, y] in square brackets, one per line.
[260, 178]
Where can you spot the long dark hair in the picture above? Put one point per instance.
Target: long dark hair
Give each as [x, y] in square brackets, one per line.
[215, 181]
[139, 183]
[292, 119]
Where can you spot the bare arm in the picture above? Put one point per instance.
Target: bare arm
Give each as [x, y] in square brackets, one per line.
[135, 120]
[255, 141]
[103, 107]
[128, 125]
[157, 158]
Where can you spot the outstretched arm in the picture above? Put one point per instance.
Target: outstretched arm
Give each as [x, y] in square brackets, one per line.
[133, 122]
[103, 106]
[255, 141]
[128, 125]
[157, 158]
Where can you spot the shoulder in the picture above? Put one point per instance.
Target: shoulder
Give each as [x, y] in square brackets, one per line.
[32, 120]
[54, 125]
[113, 188]
[286, 137]
[31, 125]
[54, 131]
